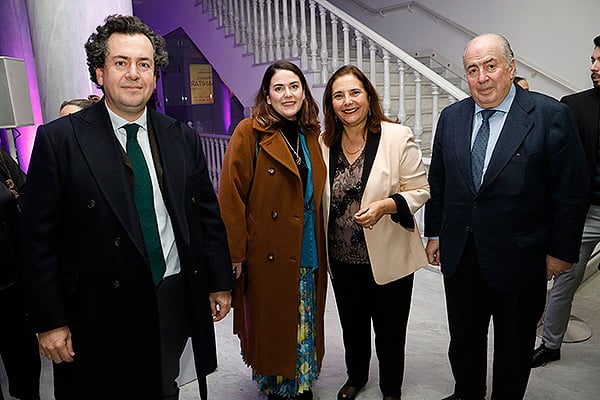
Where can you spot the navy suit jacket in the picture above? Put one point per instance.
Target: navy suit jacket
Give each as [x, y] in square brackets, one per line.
[85, 262]
[532, 201]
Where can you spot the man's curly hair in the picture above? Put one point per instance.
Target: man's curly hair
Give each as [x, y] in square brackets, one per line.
[96, 47]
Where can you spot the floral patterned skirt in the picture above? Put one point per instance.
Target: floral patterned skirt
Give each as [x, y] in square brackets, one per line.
[306, 372]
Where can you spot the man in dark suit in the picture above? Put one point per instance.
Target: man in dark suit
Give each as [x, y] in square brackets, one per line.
[506, 214]
[586, 108]
[125, 251]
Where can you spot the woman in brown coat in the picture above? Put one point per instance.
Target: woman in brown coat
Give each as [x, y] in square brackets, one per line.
[270, 196]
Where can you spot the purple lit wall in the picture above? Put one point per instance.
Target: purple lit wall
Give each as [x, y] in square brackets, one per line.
[15, 41]
[226, 106]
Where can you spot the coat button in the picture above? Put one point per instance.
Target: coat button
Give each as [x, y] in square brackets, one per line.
[475, 205]
[274, 214]
[117, 241]
[116, 284]
[271, 171]
[270, 257]
[91, 204]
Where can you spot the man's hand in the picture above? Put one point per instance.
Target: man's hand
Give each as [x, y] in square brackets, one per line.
[56, 345]
[433, 251]
[220, 304]
[554, 267]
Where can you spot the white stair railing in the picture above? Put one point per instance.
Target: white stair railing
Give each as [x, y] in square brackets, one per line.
[292, 29]
[214, 149]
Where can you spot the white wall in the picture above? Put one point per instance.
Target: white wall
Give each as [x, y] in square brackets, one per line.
[554, 35]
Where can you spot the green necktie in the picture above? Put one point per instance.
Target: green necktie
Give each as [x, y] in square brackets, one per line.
[144, 203]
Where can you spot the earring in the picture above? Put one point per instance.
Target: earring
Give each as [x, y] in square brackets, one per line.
[369, 111]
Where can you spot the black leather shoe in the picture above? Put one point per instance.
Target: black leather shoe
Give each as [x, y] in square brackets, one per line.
[452, 397]
[543, 355]
[348, 392]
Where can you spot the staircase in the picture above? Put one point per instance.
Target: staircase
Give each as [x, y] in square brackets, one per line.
[317, 36]
[320, 38]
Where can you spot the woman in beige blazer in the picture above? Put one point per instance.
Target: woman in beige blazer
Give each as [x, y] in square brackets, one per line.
[376, 182]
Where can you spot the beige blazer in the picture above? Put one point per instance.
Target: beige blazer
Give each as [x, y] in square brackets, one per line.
[395, 167]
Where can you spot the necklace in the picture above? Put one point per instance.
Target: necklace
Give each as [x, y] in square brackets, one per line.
[296, 155]
[355, 151]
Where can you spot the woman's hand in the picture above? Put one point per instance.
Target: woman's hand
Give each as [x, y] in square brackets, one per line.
[236, 268]
[369, 216]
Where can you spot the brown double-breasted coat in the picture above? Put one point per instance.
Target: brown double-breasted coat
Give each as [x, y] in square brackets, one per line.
[263, 209]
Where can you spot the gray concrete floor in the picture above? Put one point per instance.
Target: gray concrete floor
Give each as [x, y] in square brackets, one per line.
[575, 377]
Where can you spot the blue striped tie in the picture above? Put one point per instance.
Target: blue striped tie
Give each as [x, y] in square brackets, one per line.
[144, 203]
[480, 147]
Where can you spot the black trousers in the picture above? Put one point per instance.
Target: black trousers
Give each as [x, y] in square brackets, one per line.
[361, 301]
[174, 332]
[18, 346]
[471, 303]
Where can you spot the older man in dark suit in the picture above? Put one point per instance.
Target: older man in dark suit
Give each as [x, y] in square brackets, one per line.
[125, 251]
[506, 213]
[586, 108]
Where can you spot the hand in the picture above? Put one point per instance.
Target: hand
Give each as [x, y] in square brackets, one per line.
[237, 269]
[56, 345]
[369, 216]
[220, 304]
[433, 251]
[554, 267]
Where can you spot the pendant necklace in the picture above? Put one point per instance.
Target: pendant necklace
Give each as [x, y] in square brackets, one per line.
[296, 155]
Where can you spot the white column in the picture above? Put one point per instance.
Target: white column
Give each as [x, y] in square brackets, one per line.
[359, 48]
[387, 101]
[263, 33]
[418, 127]
[401, 93]
[373, 62]
[237, 22]
[294, 32]
[59, 48]
[324, 55]
[286, 31]
[229, 24]
[278, 33]
[270, 37]
[314, 46]
[243, 37]
[303, 36]
[258, 49]
[346, 34]
[334, 43]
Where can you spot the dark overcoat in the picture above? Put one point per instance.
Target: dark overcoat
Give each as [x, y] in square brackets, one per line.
[85, 263]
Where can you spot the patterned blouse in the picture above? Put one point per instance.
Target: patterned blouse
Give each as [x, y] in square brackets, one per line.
[346, 237]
